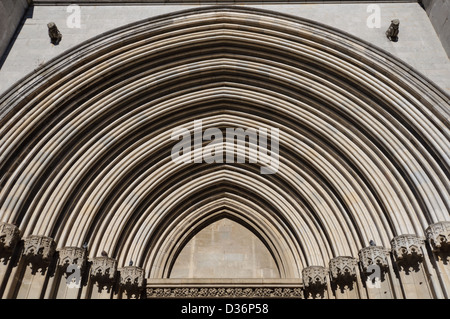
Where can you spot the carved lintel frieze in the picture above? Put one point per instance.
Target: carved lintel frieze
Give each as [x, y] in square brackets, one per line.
[438, 235]
[314, 275]
[42, 247]
[132, 276]
[9, 236]
[343, 267]
[405, 246]
[104, 267]
[225, 292]
[72, 256]
[373, 255]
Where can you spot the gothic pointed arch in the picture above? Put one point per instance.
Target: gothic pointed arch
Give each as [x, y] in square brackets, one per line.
[85, 147]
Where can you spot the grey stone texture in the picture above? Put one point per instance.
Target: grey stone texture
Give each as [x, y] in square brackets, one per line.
[224, 249]
[11, 13]
[439, 13]
[418, 45]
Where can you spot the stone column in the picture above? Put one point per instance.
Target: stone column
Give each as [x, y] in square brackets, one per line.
[375, 272]
[438, 236]
[343, 277]
[70, 271]
[131, 282]
[103, 277]
[408, 255]
[9, 238]
[315, 282]
[36, 260]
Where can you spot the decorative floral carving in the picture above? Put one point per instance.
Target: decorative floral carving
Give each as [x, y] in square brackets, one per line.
[225, 292]
[132, 275]
[314, 275]
[343, 267]
[9, 236]
[373, 255]
[72, 256]
[39, 246]
[404, 246]
[438, 235]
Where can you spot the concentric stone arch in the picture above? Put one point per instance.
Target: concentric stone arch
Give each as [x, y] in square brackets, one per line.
[85, 140]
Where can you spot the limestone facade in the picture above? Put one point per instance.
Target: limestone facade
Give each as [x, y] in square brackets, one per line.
[93, 206]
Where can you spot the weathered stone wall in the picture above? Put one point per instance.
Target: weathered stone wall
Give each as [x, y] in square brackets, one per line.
[439, 13]
[418, 43]
[11, 13]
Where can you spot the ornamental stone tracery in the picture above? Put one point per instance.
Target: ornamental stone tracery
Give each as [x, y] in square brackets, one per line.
[132, 275]
[343, 266]
[72, 256]
[104, 267]
[314, 275]
[373, 255]
[405, 246]
[39, 246]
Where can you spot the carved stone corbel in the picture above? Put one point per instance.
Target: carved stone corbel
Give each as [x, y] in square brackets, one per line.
[103, 272]
[72, 256]
[132, 275]
[374, 262]
[72, 262]
[343, 272]
[9, 237]
[373, 255]
[407, 246]
[314, 275]
[38, 251]
[438, 235]
[343, 266]
[132, 280]
[315, 281]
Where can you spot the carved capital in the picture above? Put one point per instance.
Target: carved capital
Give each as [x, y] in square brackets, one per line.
[438, 235]
[72, 256]
[9, 236]
[373, 255]
[343, 267]
[405, 246]
[39, 247]
[132, 276]
[314, 275]
[104, 267]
